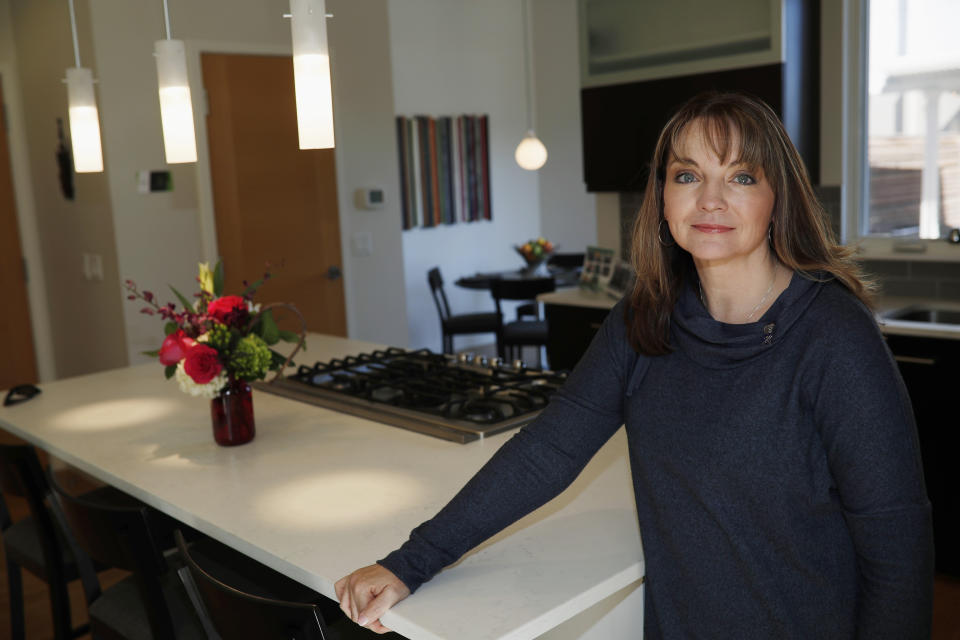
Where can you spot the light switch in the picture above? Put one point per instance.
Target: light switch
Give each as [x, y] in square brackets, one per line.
[362, 243]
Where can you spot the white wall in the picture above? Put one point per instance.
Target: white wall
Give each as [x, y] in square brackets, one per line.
[568, 212]
[377, 307]
[454, 57]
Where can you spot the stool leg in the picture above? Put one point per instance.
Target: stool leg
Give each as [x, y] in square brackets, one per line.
[60, 608]
[15, 587]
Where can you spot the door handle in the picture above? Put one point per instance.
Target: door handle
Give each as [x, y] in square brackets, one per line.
[334, 273]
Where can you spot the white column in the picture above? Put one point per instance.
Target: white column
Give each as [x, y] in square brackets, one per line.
[930, 185]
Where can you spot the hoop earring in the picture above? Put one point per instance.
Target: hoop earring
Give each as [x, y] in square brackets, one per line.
[770, 235]
[660, 235]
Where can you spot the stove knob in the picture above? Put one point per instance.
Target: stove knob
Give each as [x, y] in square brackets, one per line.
[496, 363]
[480, 361]
[465, 357]
[519, 365]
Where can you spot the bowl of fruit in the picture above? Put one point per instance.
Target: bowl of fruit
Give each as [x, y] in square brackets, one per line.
[534, 252]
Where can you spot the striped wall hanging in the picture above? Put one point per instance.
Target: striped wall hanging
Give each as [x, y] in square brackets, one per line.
[444, 169]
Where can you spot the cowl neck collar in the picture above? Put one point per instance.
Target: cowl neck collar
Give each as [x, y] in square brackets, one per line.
[719, 345]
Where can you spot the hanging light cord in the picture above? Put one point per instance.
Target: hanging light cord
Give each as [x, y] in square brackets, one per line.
[527, 64]
[73, 28]
[166, 17]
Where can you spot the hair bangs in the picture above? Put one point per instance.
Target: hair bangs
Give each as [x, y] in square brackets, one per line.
[731, 135]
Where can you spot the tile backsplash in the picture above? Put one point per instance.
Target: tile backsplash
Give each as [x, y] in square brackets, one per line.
[940, 280]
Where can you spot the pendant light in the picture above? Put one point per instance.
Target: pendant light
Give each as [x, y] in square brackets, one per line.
[176, 108]
[530, 153]
[311, 73]
[83, 114]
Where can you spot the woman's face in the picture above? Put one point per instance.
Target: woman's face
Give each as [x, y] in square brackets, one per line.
[717, 209]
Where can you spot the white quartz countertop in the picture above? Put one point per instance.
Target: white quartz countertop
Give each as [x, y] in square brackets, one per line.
[579, 297]
[318, 493]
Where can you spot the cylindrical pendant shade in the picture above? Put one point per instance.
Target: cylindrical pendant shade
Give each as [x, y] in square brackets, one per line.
[530, 153]
[176, 109]
[311, 74]
[84, 121]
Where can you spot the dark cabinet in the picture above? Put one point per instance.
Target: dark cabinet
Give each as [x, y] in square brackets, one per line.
[571, 328]
[621, 119]
[931, 369]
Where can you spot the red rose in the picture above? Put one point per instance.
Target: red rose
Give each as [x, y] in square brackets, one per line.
[220, 307]
[202, 363]
[175, 347]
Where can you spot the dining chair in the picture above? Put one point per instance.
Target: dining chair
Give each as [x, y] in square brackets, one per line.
[237, 597]
[35, 543]
[151, 603]
[458, 324]
[521, 333]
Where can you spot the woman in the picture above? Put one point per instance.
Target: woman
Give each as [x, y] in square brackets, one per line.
[774, 457]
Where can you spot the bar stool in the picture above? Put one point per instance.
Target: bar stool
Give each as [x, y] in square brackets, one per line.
[239, 598]
[35, 543]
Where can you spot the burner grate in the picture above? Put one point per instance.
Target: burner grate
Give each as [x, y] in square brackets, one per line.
[424, 391]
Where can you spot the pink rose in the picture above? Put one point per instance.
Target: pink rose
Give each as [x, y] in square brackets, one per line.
[223, 306]
[175, 347]
[202, 363]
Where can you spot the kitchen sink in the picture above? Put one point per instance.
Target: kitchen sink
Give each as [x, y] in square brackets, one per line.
[919, 313]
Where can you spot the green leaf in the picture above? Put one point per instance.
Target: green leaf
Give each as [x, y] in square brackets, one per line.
[218, 279]
[186, 303]
[169, 328]
[269, 330]
[277, 360]
[151, 354]
[289, 336]
[169, 371]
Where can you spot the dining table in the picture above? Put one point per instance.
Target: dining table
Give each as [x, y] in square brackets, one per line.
[563, 278]
[318, 493]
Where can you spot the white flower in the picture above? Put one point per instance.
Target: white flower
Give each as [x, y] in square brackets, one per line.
[210, 390]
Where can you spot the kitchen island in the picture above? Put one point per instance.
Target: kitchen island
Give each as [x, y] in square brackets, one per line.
[319, 493]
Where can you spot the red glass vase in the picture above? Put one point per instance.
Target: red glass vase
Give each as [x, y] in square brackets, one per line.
[232, 415]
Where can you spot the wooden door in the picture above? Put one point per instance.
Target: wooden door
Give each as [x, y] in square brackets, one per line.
[272, 201]
[17, 361]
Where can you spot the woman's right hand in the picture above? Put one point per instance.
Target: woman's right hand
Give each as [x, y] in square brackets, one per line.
[367, 593]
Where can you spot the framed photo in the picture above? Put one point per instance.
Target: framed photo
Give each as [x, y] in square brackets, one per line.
[598, 265]
[621, 280]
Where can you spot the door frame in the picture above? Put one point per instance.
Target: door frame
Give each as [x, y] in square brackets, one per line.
[27, 222]
[205, 209]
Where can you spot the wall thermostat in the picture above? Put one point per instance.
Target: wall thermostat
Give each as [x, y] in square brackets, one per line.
[368, 198]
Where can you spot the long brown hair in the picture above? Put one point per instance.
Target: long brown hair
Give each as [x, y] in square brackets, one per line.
[800, 235]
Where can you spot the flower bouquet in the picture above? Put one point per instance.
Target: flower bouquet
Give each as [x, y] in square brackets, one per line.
[217, 345]
[534, 252]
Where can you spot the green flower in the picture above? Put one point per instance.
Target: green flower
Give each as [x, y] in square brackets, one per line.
[220, 337]
[250, 358]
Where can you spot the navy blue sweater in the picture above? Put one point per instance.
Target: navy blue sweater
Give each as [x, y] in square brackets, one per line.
[775, 465]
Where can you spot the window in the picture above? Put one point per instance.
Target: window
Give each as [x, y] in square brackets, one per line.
[903, 119]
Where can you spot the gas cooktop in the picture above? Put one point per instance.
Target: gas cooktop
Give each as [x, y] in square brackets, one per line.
[459, 398]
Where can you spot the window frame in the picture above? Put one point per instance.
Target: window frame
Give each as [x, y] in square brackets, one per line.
[855, 198]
